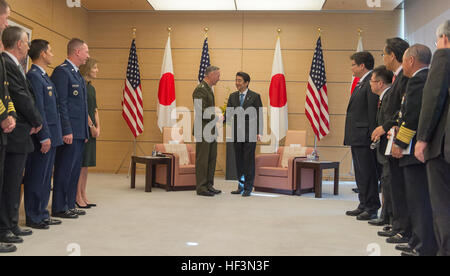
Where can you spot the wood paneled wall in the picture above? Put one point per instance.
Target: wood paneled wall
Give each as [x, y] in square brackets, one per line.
[51, 20]
[237, 41]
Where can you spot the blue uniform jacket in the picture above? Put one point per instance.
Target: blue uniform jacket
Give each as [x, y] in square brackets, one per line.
[72, 101]
[46, 102]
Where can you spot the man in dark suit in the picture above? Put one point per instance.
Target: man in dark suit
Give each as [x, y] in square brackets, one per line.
[29, 121]
[359, 123]
[7, 111]
[381, 84]
[433, 137]
[205, 132]
[245, 114]
[393, 57]
[39, 167]
[72, 102]
[415, 66]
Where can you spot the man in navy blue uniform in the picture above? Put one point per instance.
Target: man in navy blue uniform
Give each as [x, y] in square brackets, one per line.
[39, 168]
[72, 101]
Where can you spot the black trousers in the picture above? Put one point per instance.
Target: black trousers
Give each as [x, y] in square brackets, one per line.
[245, 163]
[364, 160]
[439, 186]
[420, 211]
[385, 179]
[12, 179]
[205, 165]
[401, 220]
[2, 169]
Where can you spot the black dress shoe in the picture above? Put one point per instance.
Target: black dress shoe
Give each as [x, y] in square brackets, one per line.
[21, 232]
[354, 213]
[404, 248]
[355, 190]
[214, 191]
[387, 228]
[92, 205]
[205, 193]
[82, 207]
[247, 193]
[399, 238]
[9, 237]
[237, 192]
[7, 248]
[387, 234]
[378, 222]
[41, 225]
[414, 253]
[50, 221]
[65, 215]
[367, 216]
[78, 212]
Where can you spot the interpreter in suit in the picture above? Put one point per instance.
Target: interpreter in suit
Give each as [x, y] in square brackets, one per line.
[415, 66]
[72, 101]
[359, 123]
[244, 111]
[39, 167]
[433, 135]
[380, 84]
[393, 57]
[205, 132]
[29, 121]
[7, 112]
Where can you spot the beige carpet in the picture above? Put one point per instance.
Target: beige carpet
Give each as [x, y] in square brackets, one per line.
[132, 222]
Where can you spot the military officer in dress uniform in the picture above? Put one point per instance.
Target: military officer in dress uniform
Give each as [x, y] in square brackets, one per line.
[415, 66]
[7, 111]
[72, 101]
[206, 144]
[39, 168]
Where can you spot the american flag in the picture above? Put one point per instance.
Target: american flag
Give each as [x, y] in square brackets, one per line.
[316, 106]
[132, 104]
[204, 62]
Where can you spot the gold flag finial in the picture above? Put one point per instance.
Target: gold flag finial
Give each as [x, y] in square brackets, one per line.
[134, 32]
[206, 31]
[169, 29]
[320, 31]
[359, 32]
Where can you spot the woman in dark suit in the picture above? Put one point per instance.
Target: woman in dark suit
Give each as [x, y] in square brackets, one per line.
[89, 72]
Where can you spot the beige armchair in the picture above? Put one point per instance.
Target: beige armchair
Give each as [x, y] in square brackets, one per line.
[271, 176]
[183, 164]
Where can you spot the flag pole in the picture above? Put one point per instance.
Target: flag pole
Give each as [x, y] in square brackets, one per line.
[134, 30]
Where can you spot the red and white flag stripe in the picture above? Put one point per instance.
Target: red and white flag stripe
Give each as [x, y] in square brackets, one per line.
[132, 103]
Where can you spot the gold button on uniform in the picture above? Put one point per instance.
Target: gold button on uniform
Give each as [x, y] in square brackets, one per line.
[75, 93]
[50, 93]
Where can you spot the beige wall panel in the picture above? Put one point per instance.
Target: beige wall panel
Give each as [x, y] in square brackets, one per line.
[299, 30]
[72, 22]
[37, 10]
[110, 29]
[110, 155]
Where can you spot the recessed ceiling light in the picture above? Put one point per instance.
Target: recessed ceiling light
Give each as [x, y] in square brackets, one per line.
[279, 5]
[193, 5]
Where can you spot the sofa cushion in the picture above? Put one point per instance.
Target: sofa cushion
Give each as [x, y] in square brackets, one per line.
[273, 171]
[180, 150]
[291, 152]
[188, 169]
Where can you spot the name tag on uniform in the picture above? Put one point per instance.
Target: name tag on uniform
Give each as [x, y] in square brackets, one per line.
[75, 85]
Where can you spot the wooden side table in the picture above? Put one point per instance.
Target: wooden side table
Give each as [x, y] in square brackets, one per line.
[318, 167]
[150, 169]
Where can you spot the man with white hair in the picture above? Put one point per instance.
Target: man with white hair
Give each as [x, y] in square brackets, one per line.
[433, 135]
